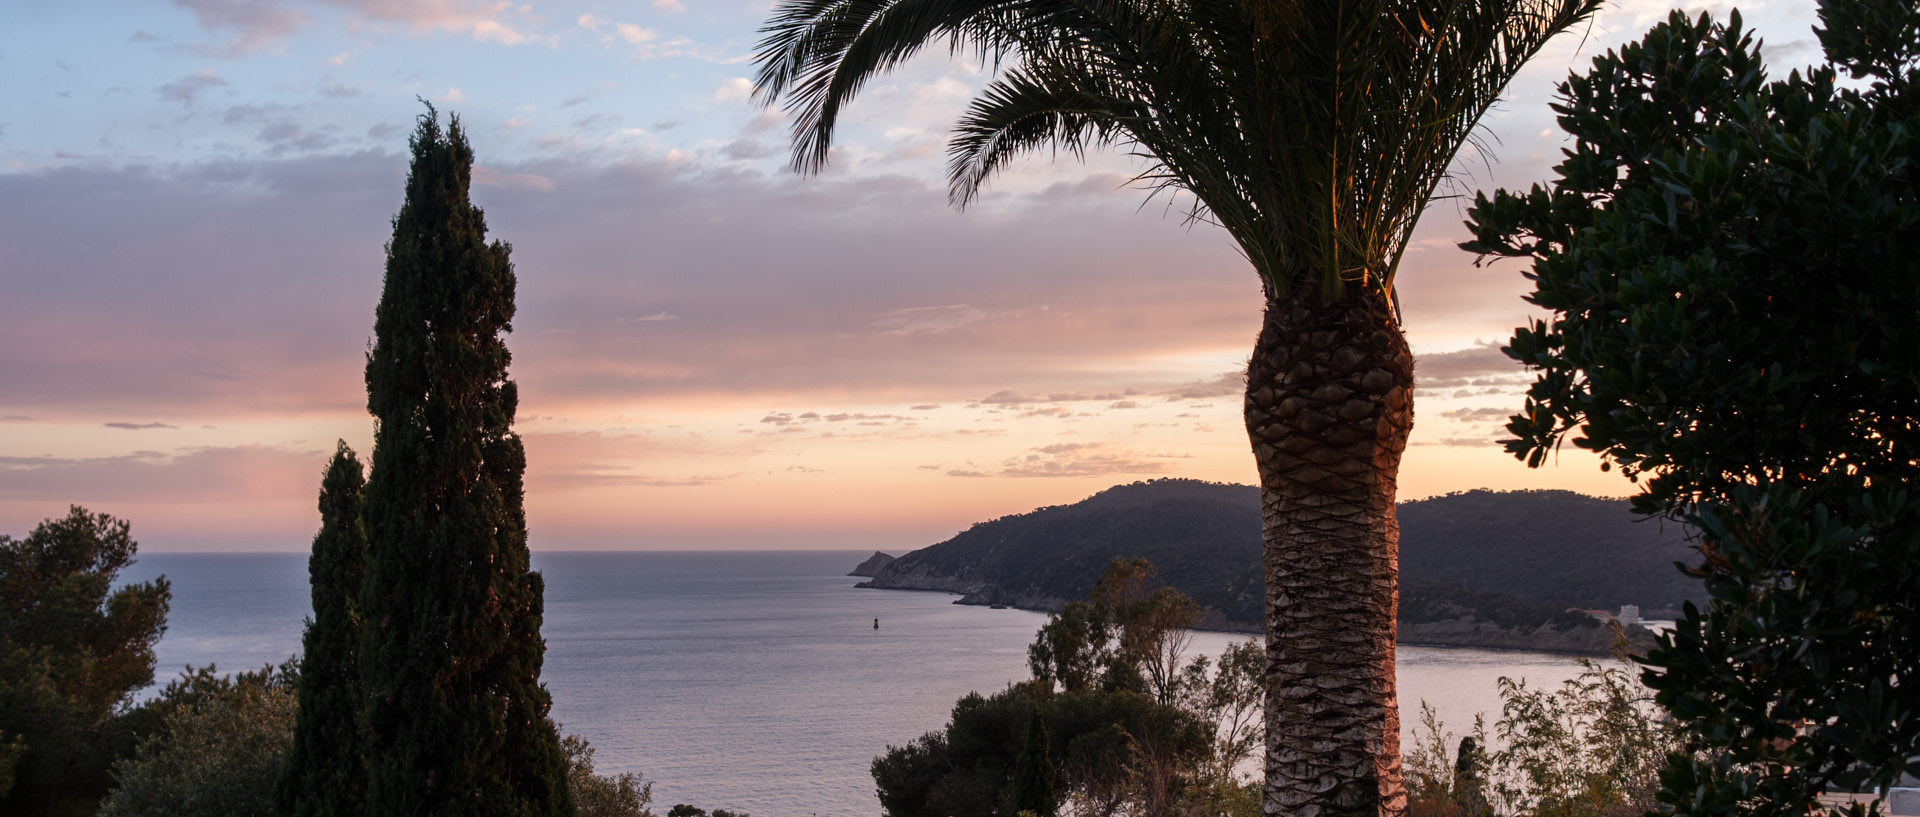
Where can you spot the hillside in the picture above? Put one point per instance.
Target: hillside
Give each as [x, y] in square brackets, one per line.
[1497, 560]
[1551, 547]
[1203, 537]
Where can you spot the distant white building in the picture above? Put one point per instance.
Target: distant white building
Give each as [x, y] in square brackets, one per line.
[1629, 615]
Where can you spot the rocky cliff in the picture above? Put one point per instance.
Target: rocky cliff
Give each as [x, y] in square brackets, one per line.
[873, 565]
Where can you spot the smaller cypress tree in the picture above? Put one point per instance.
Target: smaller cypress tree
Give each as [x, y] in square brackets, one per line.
[1033, 778]
[325, 772]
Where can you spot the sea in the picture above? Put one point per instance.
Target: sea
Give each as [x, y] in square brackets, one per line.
[753, 681]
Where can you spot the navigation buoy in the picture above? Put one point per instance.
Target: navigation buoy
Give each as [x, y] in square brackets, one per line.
[876, 624]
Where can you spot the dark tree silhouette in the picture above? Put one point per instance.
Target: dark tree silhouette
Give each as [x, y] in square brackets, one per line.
[1729, 266]
[451, 649]
[325, 774]
[72, 649]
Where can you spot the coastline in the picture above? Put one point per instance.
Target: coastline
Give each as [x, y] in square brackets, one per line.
[1456, 633]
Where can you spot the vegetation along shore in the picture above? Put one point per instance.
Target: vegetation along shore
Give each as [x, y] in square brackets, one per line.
[1529, 570]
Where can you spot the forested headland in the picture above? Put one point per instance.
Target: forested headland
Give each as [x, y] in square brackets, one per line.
[1479, 568]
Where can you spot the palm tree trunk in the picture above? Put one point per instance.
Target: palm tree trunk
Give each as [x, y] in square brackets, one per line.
[1329, 406]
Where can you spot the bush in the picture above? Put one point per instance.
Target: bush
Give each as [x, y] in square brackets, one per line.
[622, 795]
[216, 742]
[217, 750]
[1592, 748]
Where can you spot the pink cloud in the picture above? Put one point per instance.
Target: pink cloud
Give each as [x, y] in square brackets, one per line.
[488, 177]
[1074, 461]
[1482, 365]
[484, 21]
[195, 476]
[257, 24]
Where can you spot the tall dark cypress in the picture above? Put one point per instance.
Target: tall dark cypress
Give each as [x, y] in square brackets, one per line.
[1033, 776]
[451, 649]
[325, 773]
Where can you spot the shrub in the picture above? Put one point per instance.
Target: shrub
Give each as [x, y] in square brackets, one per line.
[1592, 748]
[217, 750]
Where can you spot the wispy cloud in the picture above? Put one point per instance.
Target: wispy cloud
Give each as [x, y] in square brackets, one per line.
[256, 24]
[1484, 414]
[137, 426]
[645, 43]
[1482, 365]
[1073, 460]
[624, 476]
[776, 285]
[654, 317]
[1228, 384]
[489, 177]
[736, 89]
[188, 89]
[1459, 441]
[484, 21]
[193, 476]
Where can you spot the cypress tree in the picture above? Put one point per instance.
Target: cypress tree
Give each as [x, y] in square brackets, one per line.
[1033, 777]
[451, 648]
[325, 772]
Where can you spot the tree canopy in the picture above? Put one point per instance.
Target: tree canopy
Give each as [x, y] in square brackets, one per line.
[73, 648]
[1098, 730]
[1729, 263]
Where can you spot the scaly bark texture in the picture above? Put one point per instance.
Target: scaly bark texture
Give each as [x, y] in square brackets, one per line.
[1329, 406]
[450, 646]
[325, 772]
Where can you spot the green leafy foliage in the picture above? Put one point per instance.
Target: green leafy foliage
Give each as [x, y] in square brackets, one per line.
[1101, 743]
[596, 795]
[1072, 648]
[1033, 773]
[325, 772]
[450, 649]
[72, 651]
[218, 747]
[684, 810]
[1594, 747]
[1729, 263]
[1117, 719]
[1424, 601]
[1723, 257]
[216, 744]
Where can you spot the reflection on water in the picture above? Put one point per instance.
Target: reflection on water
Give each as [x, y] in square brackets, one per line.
[742, 680]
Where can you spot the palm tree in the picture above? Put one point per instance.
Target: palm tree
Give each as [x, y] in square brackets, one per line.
[1314, 132]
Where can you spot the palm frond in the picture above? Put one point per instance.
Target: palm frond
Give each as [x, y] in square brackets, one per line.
[1313, 131]
[1016, 114]
[819, 53]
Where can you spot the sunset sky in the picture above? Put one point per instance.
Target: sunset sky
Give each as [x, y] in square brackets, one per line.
[712, 352]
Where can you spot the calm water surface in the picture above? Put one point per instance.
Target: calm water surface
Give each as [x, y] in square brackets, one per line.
[743, 680]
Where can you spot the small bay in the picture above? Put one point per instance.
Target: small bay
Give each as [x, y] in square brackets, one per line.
[746, 680]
